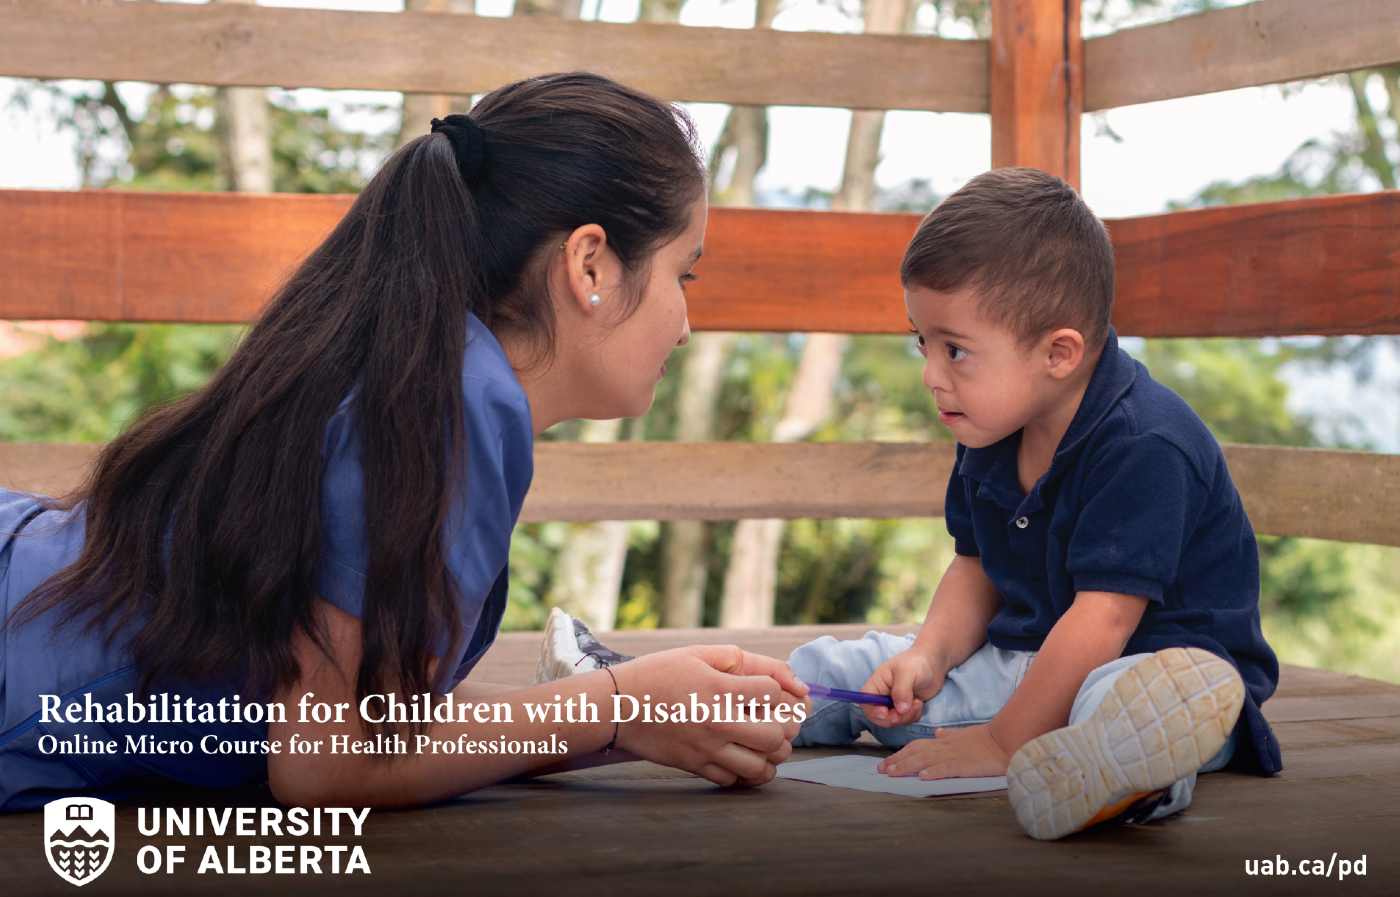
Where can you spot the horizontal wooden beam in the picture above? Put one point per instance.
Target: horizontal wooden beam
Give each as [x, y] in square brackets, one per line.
[1265, 42]
[737, 480]
[217, 257]
[113, 255]
[1329, 265]
[1323, 494]
[428, 52]
[1319, 493]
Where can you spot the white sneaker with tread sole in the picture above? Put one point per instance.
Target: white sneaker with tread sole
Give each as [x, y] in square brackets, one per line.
[1162, 720]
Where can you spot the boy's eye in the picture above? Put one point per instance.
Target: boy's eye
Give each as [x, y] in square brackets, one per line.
[954, 350]
[919, 340]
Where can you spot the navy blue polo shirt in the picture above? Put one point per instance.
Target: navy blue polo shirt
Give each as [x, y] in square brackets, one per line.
[1137, 500]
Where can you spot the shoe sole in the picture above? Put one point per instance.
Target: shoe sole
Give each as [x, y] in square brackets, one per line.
[550, 667]
[1162, 720]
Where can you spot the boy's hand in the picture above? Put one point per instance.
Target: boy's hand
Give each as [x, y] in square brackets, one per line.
[909, 678]
[953, 753]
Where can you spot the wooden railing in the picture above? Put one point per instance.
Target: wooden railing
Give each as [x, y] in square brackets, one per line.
[1329, 265]
[426, 52]
[1324, 494]
[1318, 266]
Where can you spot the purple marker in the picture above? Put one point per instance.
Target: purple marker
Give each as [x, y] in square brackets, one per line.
[854, 697]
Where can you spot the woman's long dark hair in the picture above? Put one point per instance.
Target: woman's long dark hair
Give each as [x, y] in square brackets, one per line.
[231, 474]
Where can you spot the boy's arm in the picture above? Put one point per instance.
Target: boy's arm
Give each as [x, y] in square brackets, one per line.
[956, 625]
[1091, 633]
[965, 600]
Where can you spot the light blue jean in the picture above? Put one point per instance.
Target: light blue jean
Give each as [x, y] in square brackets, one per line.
[973, 692]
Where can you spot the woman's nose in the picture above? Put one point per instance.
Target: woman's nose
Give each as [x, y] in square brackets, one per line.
[685, 334]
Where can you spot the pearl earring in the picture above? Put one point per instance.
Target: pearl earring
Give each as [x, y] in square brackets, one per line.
[595, 300]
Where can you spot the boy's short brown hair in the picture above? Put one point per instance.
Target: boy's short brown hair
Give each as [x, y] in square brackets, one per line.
[1025, 240]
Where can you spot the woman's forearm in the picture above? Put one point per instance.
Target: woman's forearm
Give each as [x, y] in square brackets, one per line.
[423, 776]
[722, 751]
[481, 691]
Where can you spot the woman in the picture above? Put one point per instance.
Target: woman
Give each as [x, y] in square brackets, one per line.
[332, 513]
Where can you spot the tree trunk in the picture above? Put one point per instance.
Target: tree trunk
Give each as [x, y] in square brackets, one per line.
[750, 582]
[1373, 153]
[419, 109]
[560, 9]
[1391, 78]
[685, 540]
[588, 574]
[744, 141]
[666, 12]
[246, 135]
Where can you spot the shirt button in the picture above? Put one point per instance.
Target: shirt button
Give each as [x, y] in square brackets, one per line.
[1023, 522]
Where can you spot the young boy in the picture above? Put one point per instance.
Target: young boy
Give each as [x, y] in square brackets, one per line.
[1096, 637]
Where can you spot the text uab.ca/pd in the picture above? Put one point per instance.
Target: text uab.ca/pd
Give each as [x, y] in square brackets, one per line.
[80, 840]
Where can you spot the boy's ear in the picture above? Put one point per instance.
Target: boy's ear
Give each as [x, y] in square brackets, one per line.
[1066, 352]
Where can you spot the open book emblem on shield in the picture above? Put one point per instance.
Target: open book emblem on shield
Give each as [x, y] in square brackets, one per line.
[80, 835]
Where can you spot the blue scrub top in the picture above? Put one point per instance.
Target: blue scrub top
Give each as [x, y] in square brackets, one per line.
[38, 658]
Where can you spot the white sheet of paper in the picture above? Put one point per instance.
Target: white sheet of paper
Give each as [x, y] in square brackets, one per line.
[858, 771]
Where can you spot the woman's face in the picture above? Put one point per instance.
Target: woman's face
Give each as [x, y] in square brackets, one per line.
[617, 361]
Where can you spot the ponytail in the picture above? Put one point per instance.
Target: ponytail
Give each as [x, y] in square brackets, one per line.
[203, 523]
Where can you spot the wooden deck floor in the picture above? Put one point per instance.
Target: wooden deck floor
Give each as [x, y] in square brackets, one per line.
[643, 829]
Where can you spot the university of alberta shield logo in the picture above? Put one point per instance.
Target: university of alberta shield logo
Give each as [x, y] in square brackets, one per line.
[80, 836]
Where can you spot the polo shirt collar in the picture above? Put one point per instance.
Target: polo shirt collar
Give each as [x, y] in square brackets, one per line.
[1114, 373]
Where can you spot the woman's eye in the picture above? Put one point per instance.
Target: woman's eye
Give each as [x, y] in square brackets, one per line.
[688, 278]
[953, 352]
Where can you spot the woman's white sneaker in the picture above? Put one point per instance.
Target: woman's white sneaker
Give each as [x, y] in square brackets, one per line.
[570, 648]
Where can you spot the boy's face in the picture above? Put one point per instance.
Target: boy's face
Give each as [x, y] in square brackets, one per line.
[985, 386]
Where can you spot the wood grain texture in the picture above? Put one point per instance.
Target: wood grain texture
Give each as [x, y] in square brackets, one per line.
[217, 257]
[426, 52]
[113, 255]
[1324, 494]
[1319, 493]
[1266, 42]
[1329, 265]
[735, 480]
[1036, 76]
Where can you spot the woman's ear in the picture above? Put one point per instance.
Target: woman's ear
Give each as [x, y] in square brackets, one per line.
[1066, 352]
[586, 267]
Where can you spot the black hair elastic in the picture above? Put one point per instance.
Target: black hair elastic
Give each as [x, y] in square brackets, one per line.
[468, 144]
[617, 727]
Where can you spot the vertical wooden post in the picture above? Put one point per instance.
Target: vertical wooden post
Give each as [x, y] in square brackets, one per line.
[1037, 85]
